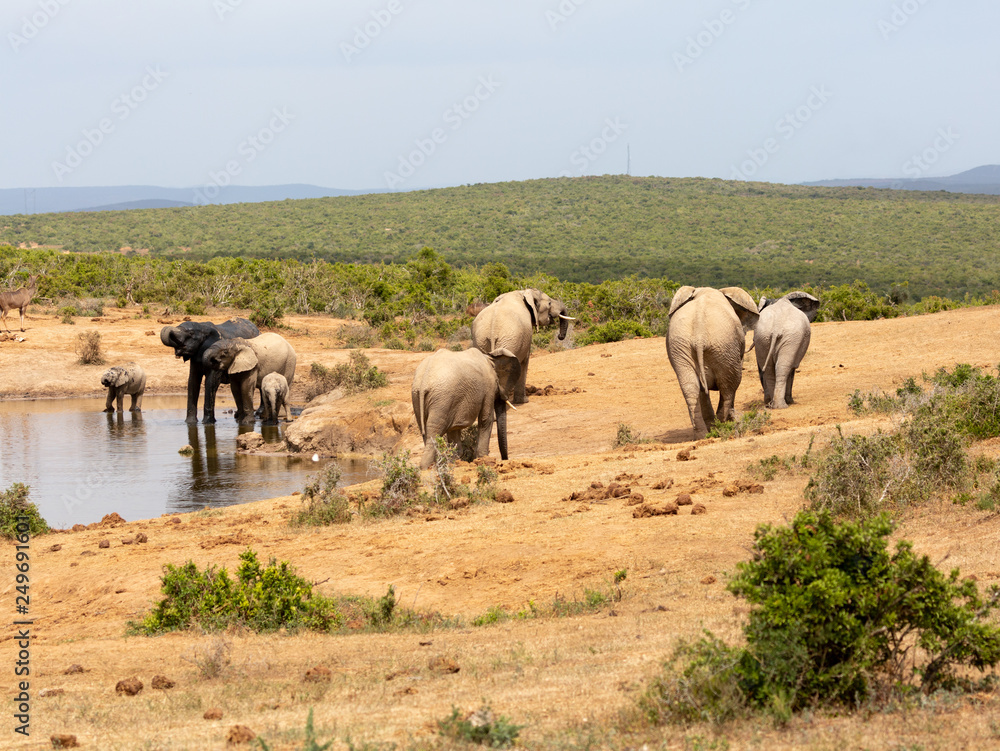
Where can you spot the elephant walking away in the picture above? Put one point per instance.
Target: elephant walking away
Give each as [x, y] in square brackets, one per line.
[245, 363]
[781, 339]
[510, 320]
[706, 342]
[120, 380]
[273, 398]
[453, 390]
[190, 340]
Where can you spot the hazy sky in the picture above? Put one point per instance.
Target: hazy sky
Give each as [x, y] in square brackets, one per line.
[415, 93]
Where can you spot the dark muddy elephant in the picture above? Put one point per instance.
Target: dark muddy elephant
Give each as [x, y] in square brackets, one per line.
[190, 340]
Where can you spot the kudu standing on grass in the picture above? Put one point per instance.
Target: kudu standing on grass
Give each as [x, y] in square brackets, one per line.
[18, 298]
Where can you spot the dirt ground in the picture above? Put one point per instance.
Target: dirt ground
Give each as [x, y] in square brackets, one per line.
[567, 680]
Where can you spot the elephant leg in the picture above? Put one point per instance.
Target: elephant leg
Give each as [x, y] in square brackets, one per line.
[110, 400]
[788, 387]
[120, 400]
[212, 381]
[246, 388]
[702, 415]
[136, 402]
[194, 389]
[430, 452]
[519, 396]
[483, 440]
[727, 402]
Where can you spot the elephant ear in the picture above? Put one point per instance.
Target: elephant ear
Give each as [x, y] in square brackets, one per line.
[121, 377]
[246, 359]
[681, 297]
[764, 302]
[744, 306]
[532, 299]
[508, 370]
[804, 302]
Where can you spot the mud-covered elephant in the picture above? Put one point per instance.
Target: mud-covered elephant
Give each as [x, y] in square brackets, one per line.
[189, 341]
[510, 320]
[705, 343]
[781, 338]
[273, 398]
[245, 362]
[454, 390]
[120, 380]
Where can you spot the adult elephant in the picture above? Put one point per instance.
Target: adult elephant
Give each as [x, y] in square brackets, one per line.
[705, 343]
[508, 323]
[454, 390]
[245, 362]
[189, 341]
[781, 338]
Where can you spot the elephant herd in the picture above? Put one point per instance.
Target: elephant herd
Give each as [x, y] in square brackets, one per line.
[451, 391]
[233, 352]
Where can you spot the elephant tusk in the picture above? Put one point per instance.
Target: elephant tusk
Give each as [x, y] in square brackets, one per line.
[568, 318]
[511, 405]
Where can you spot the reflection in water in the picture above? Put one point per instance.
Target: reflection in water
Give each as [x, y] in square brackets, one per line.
[82, 463]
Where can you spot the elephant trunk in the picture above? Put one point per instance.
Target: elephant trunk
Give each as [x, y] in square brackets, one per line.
[500, 409]
[563, 326]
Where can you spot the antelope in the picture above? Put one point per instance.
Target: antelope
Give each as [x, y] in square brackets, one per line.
[18, 298]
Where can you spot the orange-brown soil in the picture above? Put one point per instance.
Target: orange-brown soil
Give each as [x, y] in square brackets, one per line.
[566, 679]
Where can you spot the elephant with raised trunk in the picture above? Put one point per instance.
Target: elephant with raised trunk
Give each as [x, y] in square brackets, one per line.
[244, 363]
[705, 343]
[781, 338]
[190, 340]
[120, 380]
[273, 398]
[454, 390]
[508, 323]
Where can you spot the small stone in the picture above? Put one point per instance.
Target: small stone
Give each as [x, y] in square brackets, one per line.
[129, 687]
[55, 548]
[127, 540]
[708, 580]
[684, 500]
[664, 484]
[185, 450]
[253, 441]
[213, 714]
[141, 537]
[504, 496]
[63, 740]
[684, 455]
[74, 668]
[697, 509]
[104, 544]
[318, 674]
[162, 682]
[238, 734]
[79, 527]
[730, 491]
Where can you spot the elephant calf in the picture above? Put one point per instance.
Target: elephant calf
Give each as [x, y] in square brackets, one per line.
[245, 362]
[455, 390]
[129, 378]
[781, 339]
[274, 398]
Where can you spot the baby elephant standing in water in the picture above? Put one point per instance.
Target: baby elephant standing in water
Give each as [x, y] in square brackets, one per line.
[274, 398]
[124, 379]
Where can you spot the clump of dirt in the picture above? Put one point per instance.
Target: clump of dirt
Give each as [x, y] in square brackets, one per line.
[551, 390]
[128, 687]
[598, 492]
[743, 486]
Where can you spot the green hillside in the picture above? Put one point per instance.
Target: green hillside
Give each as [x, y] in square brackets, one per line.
[691, 231]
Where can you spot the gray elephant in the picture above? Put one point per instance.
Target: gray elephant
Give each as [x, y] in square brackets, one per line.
[273, 398]
[781, 338]
[243, 363]
[705, 343]
[130, 379]
[453, 390]
[189, 341]
[508, 323]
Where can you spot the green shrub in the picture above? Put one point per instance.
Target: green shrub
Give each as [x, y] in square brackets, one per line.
[613, 331]
[356, 375]
[66, 314]
[854, 302]
[626, 436]
[260, 599]
[267, 313]
[323, 502]
[18, 515]
[751, 422]
[400, 484]
[393, 343]
[486, 482]
[836, 619]
[445, 486]
[88, 348]
[481, 726]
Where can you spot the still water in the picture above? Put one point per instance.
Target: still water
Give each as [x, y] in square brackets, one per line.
[82, 463]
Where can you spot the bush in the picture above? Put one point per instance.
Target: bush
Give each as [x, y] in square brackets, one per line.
[486, 482]
[323, 502]
[835, 619]
[400, 484]
[357, 336]
[751, 422]
[481, 726]
[261, 599]
[628, 437]
[613, 331]
[444, 461]
[267, 313]
[15, 508]
[358, 374]
[88, 348]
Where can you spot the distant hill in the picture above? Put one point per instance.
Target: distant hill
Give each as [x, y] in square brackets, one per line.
[985, 180]
[123, 197]
[586, 229]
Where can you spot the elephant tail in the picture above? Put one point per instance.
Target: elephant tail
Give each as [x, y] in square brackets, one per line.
[699, 365]
[420, 410]
[771, 351]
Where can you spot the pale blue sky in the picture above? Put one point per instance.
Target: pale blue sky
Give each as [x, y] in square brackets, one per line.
[415, 93]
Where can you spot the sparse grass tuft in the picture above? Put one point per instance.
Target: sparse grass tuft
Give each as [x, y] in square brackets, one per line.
[751, 422]
[481, 727]
[358, 374]
[323, 503]
[626, 436]
[88, 348]
[400, 485]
